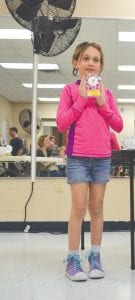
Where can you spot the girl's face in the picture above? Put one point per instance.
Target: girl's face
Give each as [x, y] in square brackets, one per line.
[89, 62]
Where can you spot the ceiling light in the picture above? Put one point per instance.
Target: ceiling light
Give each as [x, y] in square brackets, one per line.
[48, 67]
[49, 99]
[126, 68]
[29, 66]
[45, 86]
[15, 34]
[124, 100]
[126, 87]
[126, 36]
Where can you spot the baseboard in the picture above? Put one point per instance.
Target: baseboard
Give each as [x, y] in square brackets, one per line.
[58, 227]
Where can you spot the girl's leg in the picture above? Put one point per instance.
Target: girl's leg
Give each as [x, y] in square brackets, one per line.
[79, 193]
[95, 206]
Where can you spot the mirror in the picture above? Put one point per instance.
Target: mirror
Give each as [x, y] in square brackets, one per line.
[14, 97]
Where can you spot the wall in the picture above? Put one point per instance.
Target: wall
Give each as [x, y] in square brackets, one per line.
[5, 115]
[51, 200]
[87, 8]
[105, 8]
[128, 114]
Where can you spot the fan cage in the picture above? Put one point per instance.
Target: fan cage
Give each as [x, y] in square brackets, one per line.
[45, 10]
[25, 119]
[54, 41]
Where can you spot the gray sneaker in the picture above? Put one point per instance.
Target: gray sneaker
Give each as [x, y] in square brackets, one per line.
[96, 270]
[74, 270]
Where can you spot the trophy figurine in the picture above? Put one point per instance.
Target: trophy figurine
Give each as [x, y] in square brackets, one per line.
[93, 86]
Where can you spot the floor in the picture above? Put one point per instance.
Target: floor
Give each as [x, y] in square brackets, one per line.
[31, 268]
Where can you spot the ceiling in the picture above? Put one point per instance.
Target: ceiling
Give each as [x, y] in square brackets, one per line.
[103, 31]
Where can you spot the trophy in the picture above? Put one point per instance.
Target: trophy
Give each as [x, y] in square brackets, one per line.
[93, 86]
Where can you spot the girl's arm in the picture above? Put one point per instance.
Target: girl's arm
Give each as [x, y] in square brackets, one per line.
[69, 110]
[109, 111]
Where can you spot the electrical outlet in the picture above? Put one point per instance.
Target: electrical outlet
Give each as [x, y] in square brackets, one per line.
[60, 186]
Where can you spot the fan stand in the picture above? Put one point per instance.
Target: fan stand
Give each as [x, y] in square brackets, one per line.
[34, 114]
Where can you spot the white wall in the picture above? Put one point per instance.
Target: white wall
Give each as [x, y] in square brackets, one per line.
[51, 200]
[128, 114]
[5, 116]
[105, 8]
[96, 8]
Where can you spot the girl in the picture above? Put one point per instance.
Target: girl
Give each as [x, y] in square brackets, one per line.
[88, 120]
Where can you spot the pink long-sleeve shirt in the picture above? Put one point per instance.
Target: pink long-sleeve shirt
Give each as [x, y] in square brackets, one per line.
[88, 125]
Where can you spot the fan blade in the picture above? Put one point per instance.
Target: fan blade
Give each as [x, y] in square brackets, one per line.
[45, 25]
[47, 41]
[26, 124]
[65, 24]
[30, 114]
[61, 4]
[32, 3]
[29, 9]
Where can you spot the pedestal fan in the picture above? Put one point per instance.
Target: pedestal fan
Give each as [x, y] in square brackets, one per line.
[53, 31]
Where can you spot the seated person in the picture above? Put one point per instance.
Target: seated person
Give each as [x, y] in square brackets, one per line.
[2, 169]
[123, 171]
[53, 149]
[116, 171]
[15, 142]
[16, 169]
[62, 167]
[45, 168]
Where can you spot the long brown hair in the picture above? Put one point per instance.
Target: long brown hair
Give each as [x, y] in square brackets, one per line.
[41, 140]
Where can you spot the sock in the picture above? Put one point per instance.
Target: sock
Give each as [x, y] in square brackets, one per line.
[73, 252]
[95, 248]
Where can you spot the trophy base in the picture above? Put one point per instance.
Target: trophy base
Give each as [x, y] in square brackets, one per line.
[93, 93]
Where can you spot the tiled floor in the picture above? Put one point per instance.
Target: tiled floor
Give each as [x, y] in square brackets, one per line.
[31, 268]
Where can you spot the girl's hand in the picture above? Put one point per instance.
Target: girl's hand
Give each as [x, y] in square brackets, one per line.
[82, 87]
[101, 99]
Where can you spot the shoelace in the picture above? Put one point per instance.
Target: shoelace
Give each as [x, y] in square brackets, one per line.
[93, 259]
[88, 254]
[76, 260]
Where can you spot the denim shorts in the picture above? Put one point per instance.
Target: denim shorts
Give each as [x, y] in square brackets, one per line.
[83, 169]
